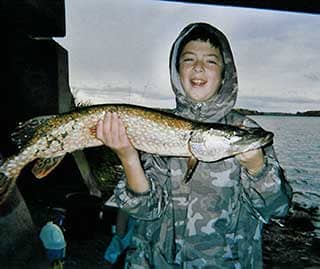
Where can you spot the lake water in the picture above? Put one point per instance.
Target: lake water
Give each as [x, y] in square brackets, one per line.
[297, 145]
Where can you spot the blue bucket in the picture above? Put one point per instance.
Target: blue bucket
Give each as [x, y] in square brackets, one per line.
[53, 241]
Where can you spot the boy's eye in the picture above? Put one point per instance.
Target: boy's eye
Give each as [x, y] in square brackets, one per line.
[188, 59]
[212, 61]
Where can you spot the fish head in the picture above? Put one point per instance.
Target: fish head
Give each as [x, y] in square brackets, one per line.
[209, 145]
[245, 139]
[216, 144]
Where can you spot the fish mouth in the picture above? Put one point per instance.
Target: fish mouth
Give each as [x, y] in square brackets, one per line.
[267, 139]
[262, 138]
[256, 140]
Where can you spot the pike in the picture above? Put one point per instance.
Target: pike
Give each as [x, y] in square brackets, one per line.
[47, 139]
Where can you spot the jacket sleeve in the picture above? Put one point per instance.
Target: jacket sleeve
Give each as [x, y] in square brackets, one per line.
[151, 204]
[267, 194]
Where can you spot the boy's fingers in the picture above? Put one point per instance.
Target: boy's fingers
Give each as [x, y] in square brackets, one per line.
[122, 132]
[115, 128]
[111, 131]
[107, 127]
[99, 134]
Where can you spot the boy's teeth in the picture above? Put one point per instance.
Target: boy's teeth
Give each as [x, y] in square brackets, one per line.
[197, 81]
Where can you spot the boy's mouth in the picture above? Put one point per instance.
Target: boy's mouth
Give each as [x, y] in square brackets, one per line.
[198, 82]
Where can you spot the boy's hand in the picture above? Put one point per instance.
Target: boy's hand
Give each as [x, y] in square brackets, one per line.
[112, 133]
[252, 160]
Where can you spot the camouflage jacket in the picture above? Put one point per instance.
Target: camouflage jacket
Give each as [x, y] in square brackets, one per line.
[216, 220]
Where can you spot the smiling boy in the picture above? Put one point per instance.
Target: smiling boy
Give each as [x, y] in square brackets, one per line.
[214, 221]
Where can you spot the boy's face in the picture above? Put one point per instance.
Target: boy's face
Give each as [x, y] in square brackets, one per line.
[200, 69]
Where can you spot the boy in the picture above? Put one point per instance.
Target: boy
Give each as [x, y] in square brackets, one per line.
[214, 221]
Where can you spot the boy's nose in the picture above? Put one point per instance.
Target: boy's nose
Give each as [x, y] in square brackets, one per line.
[198, 67]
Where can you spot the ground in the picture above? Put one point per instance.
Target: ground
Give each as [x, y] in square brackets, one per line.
[288, 243]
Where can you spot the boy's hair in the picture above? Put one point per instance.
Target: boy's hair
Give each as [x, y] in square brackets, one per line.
[199, 33]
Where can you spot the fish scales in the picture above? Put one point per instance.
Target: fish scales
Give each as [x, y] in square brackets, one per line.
[149, 130]
[157, 136]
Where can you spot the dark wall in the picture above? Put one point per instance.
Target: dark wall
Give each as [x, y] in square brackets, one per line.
[38, 18]
[34, 67]
[34, 82]
[33, 74]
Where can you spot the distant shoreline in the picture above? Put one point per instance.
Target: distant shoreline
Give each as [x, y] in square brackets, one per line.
[311, 113]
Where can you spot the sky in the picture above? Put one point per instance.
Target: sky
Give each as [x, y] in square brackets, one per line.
[119, 52]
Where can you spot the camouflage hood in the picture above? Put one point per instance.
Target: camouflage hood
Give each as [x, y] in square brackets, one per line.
[218, 105]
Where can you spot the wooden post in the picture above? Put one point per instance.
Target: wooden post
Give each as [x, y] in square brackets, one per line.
[66, 103]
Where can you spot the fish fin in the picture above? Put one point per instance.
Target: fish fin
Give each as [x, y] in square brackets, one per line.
[43, 167]
[192, 165]
[26, 130]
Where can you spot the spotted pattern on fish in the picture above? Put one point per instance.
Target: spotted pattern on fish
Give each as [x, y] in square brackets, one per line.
[150, 130]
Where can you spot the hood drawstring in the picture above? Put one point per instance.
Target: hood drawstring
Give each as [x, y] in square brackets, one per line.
[198, 114]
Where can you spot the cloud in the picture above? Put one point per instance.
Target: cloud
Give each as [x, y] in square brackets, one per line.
[313, 76]
[123, 47]
[127, 95]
